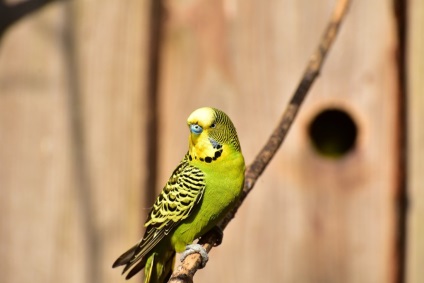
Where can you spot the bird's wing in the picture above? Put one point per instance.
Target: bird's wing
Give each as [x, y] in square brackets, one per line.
[178, 198]
[182, 192]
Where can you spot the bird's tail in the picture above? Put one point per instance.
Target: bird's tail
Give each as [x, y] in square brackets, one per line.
[129, 259]
[158, 265]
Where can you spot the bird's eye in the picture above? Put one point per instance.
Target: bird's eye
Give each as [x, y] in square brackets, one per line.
[213, 125]
[196, 129]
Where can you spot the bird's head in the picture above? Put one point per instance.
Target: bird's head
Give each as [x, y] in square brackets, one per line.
[211, 128]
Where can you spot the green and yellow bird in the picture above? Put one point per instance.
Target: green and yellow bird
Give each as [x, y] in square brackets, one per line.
[201, 190]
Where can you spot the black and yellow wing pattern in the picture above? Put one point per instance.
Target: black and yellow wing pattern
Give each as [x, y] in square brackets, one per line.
[181, 194]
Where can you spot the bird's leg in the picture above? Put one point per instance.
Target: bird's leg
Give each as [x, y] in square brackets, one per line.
[216, 233]
[196, 248]
[219, 234]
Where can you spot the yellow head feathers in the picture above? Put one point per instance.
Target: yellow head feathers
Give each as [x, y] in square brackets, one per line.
[212, 126]
[203, 117]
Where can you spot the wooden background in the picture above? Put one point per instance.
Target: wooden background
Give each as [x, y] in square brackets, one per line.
[93, 103]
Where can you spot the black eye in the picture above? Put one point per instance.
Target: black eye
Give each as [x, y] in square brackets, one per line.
[213, 125]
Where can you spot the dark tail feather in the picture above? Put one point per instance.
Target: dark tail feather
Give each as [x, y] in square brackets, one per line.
[128, 260]
[125, 258]
[164, 259]
[135, 264]
[170, 263]
[135, 269]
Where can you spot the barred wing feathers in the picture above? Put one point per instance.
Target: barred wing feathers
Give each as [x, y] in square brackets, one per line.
[181, 194]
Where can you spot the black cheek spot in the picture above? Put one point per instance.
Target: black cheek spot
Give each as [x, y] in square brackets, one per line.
[208, 159]
[189, 157]
[217, 154]
[201, 159]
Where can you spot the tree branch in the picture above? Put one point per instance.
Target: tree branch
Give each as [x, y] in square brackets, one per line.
[11, 13]
[184, 273]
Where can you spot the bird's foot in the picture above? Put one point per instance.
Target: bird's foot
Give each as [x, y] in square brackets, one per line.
[196, 248]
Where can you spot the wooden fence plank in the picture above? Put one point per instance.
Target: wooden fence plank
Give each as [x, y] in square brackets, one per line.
[110, 55]
[415, 62]
[72, 140]
[309, 219]
[36, 184]
[72, 149]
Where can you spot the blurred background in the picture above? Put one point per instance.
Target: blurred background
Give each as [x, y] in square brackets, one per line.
[94, 97]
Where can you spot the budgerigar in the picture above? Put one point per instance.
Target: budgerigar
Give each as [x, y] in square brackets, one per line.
[200, 191]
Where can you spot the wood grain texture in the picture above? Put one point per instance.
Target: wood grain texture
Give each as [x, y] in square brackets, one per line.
[72, 137]
[415, 60]
[309, 219]
[72, 141]
[36, 198]
[110, 71]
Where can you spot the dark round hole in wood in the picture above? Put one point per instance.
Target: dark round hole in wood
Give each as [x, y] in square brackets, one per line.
[333, 133]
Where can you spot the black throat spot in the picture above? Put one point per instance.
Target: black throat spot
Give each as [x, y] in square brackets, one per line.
[208, 159]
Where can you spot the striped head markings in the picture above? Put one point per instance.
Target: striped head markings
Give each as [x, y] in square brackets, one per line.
[210, 129]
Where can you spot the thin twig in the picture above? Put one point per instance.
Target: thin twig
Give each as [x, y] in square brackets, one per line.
[184, 273]
[10, 13]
